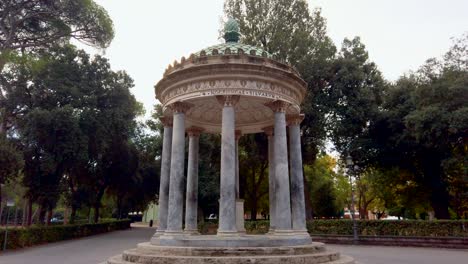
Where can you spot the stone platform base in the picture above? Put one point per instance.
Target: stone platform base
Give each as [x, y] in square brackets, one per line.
[232, 240]
[312, 253]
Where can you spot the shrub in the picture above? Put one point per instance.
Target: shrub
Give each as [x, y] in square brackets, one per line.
[440, 228]
[26, 237]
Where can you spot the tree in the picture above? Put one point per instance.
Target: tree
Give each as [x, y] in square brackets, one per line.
[294, 35]
[354, 96]
[11, 162]
[329, 190]
[253, 172]
[423, 125]
[74, 117]
[40, 24]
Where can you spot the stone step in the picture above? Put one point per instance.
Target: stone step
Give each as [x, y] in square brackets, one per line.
[149, 249]
[321, 257]
[344, 260]
[117, 260]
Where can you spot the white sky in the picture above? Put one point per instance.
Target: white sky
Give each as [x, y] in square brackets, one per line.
[399, 34]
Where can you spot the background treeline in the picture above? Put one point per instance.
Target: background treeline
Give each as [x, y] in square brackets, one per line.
[70, 136]
[69, 139]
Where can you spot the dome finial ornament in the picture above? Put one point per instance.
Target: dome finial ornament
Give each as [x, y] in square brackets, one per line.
[231, 31]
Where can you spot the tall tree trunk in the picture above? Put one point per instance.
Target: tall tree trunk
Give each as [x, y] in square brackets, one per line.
[24, 219]
[65, 216]
[96, 213]
[73, 214]
[30, 213]
[1, 213]
[15, 222]
[49, 216]
[42, 214]
[439, 196]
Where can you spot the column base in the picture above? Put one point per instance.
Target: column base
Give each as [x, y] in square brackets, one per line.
[191, 232]
[227, 233]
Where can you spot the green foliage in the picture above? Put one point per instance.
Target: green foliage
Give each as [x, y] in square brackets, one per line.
[418, 228]
[329, 190]
[289, 31]
[253, 173]
[354, 95]
[41, 24]
[422, 130]
[390, 228]
[36, 235]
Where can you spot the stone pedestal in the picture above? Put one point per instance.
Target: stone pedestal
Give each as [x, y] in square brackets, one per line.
[240, 216]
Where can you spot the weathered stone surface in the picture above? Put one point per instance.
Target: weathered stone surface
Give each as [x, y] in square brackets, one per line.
[312, 253]
[227, 201]
[297, 180]
[282, 201]
[285, 239]
[164, 179]
[240, 216]
[191, 198]
[176, 202]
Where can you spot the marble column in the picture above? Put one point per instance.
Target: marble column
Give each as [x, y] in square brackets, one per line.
[282, 191]
[227, 201]
[297, 180]
[239, 202]
[165, 173]
[237, 135]
[191, 197]
[271, 177]
[176, 202]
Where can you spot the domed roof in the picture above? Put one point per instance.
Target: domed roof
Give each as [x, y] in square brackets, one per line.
[233, 48]
[232, 45]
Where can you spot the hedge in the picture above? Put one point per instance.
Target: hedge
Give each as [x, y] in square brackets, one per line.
[420, 228]
[35, 235]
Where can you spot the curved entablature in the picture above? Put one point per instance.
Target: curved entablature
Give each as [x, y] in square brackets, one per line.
[242, 76]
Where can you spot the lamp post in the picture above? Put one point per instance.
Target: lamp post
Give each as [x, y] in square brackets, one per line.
[349, 164]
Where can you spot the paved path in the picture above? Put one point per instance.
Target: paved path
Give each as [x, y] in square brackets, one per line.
[88, 250]
[98, 248]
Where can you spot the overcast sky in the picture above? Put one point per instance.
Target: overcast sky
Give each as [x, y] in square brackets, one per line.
[399, 34]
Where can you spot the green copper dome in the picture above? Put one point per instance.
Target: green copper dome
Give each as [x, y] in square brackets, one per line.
[232, 45]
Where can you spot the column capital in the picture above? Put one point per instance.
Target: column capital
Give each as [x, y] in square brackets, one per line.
[167, 121]
[278, 106]
[238, 134]
[269, 131]
[194, 131]
[294, 119]
[180, 107]
[228, 100]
